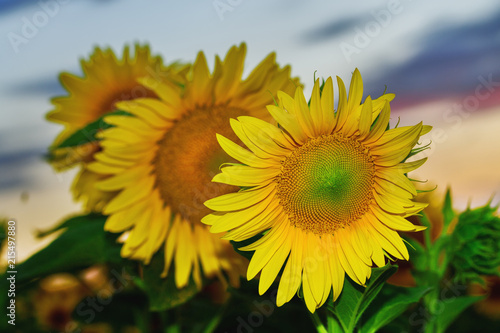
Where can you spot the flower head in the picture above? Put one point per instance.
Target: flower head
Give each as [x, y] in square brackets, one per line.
[106, 80]
[475, 244]
[329, 187]
[161, 159]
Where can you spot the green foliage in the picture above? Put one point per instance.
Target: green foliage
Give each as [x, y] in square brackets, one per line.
[475, 244]
[448, 213]
[451, 308]
[3, 232]
[417, 150]
[81, 244]
[355, 299]
[391, 303]
[88, 133]
[448, 263]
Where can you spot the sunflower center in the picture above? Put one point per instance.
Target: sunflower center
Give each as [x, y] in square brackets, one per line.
[326, 184]
[129, 91]
[189, 157]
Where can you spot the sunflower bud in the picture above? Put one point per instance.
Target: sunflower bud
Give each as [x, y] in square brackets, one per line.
[475, 244]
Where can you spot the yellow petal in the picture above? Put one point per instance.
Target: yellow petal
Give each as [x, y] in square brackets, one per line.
[240, 200]
[231, 220]
[143, 112]
[355, 91]
[387, 238]
[130, 195]
[289, 122]
[242, 175]
[270, 130]
[342, 111]
[232, 71]
[292, 275]
[327, 107]
[273, 267]
[244, 156]
[124, 219]
[242, 134]
[395, 222]
[365, 120]
[316, 111]
[380, 126]
[184, 255]
[303, 114]
[262, 255]
[402, 141]
[409, 166]
[395, 177]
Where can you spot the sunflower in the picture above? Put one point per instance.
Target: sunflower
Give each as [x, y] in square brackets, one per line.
[327, 187]
[106, 80]
[162, 158]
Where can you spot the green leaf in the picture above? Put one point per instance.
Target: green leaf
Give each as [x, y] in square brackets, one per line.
[162, 292]
[333, 325]
[83, 243]
[418, 254]
[355, 299]
[88, 133]
[448, 213]
[391, 303]
[451, 308]
[3, 233]
[70, 222]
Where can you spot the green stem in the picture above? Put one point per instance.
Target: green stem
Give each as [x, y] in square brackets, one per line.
[332, 325]
[317, 323]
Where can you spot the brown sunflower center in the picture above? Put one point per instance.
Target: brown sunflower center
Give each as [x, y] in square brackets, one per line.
[127, 92]
[326, 184]
[189, 157]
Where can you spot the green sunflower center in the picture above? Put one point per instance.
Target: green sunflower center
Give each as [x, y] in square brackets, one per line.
[189, 157]
[326, 184]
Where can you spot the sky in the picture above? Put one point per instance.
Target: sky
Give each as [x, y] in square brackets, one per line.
[440, 58]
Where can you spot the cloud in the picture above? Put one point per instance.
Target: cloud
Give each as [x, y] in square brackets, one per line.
[331, 30]
[46, 86]
[449, 63]
[15, 168]
[9, 5]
